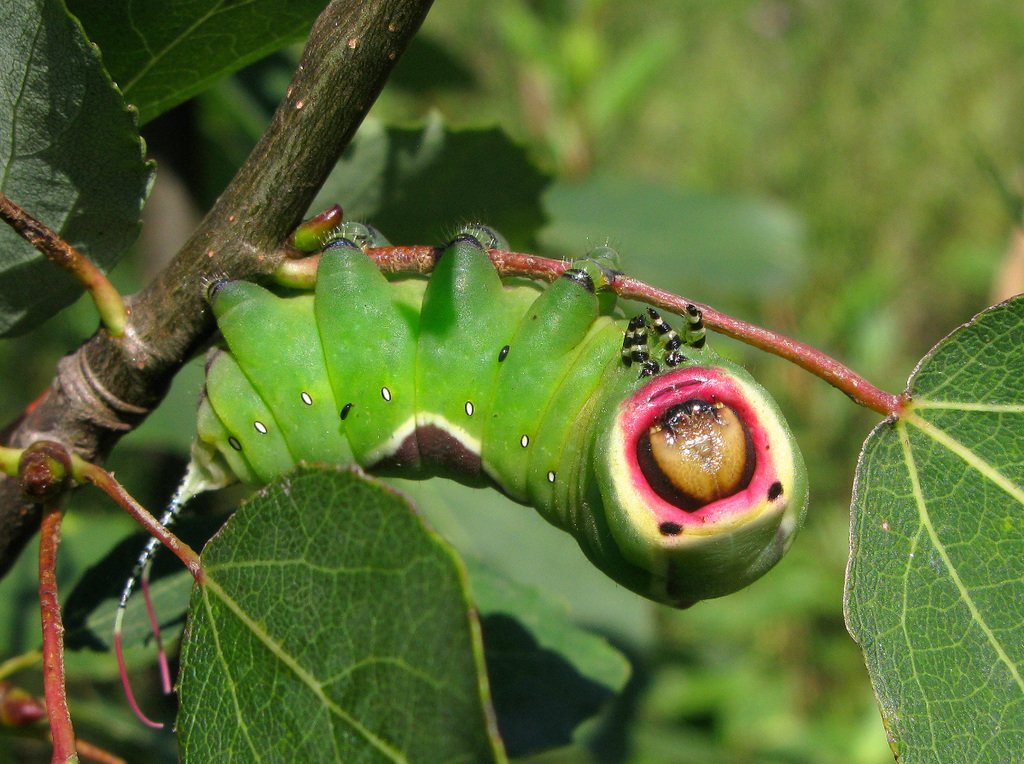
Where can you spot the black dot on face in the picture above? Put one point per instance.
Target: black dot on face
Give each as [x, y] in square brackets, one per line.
[670, 529]
[503, 354]
[775, 491]
[344, 411]
[233, 442]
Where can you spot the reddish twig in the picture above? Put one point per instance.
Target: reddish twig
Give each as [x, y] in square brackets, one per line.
[806, 357]
[421, 259]
[53, 640]
[84, 471]
[109, 302]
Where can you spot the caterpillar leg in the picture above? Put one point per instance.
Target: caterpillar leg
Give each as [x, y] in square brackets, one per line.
[695, 332]
[310, 235]
[635, 340]
[635, 348]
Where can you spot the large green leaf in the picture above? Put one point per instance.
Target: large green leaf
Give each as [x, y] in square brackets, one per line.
[332, 626]
[935, 591]
[163, 53]
[419, 184]
[70, 154]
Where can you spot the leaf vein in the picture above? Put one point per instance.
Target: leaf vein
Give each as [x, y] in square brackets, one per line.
[185, 33]
[922, 509]
[304, 676]
[227, 671]
[995, 408]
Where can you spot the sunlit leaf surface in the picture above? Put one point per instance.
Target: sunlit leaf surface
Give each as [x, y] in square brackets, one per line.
[936, 577]
[332, 626]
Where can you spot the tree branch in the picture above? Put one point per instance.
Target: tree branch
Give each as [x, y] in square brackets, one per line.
[108, 386]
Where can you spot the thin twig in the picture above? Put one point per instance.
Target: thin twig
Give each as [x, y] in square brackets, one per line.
[53, 640]
[421, 260]
[811, 359]
[106, 482]
[109, 303]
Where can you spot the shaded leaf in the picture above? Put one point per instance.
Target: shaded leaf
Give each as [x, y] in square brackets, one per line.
[164, 53]
[683, 241]
[418, 185]
[332, 626]
[936, 578]
[547, 674]
[70, 155]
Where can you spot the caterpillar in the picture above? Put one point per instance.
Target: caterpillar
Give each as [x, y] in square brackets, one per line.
[672, 468]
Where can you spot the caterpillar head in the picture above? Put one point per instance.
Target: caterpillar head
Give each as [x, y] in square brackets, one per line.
[703, 486]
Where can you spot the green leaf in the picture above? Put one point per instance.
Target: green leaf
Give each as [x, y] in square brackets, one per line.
[70, 155]
[332, 626]
[417, 185]
[164, 53]
[547, 674]
[935, 590]
[682, 241]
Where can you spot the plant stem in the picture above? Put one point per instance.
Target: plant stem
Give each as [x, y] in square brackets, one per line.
[19, 662]
[109, 303]
[84, 471]
[421, 259]
[301, 274]
[53, 640]
[859, 390]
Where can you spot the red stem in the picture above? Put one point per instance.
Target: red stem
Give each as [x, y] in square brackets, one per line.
[53, 640]
[420, 259]
[806, 357]
[106, 483]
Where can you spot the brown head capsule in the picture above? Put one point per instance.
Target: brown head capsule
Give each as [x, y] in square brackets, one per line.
[696, 453]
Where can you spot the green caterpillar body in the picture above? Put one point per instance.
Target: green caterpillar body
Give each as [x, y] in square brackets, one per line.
[671, 467]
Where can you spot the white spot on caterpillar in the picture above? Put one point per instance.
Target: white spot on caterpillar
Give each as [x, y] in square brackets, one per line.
[469, 408]
[260, 427]
[385, 394]
[307, 398]
[524, 441]
[233, 442]
[551, 477]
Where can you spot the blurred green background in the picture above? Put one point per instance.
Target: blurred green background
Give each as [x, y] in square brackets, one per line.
[840, 172]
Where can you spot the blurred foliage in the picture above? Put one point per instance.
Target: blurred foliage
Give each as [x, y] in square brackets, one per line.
[875, 126]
